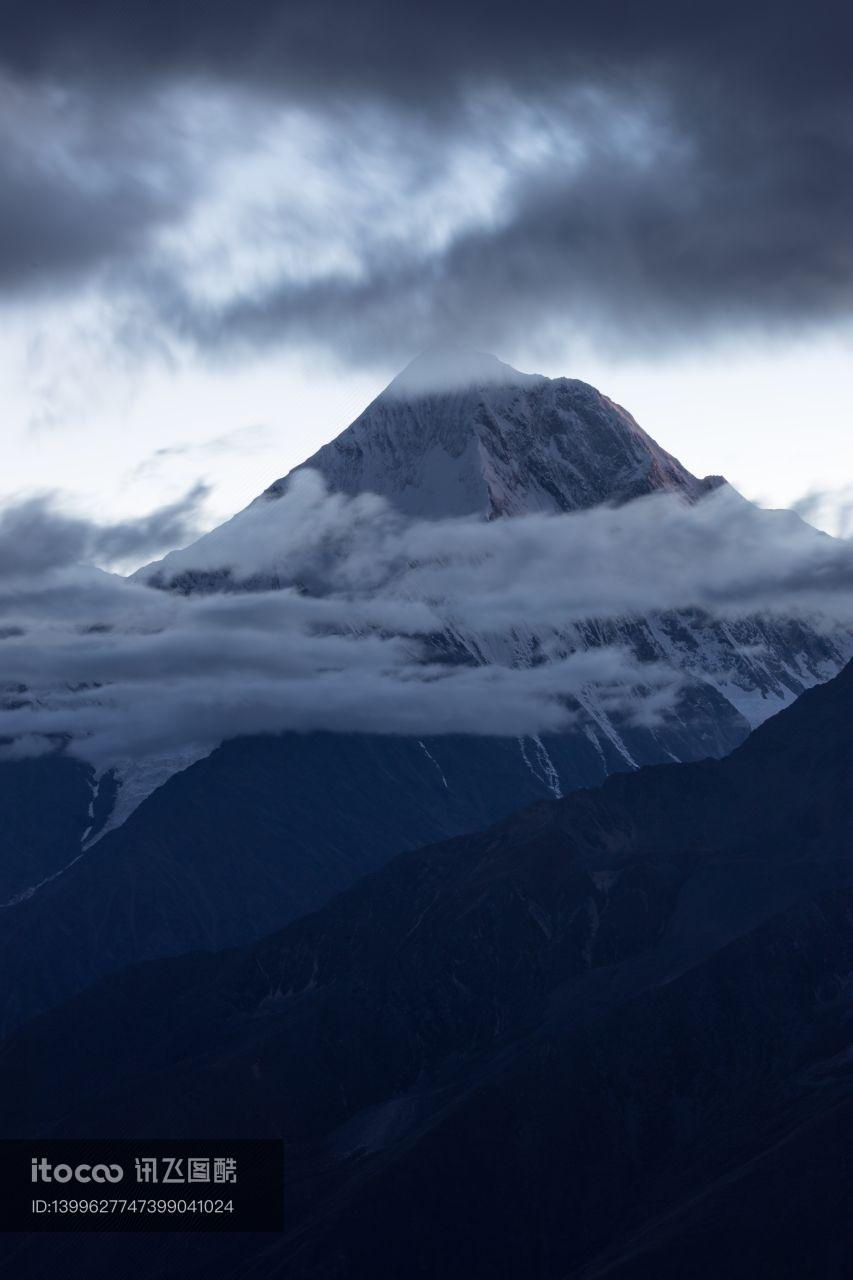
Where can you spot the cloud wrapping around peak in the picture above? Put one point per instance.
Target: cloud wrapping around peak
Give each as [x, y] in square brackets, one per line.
[658, 552]
[369, 606]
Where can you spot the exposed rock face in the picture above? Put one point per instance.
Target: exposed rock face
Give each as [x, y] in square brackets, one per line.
[463, 434]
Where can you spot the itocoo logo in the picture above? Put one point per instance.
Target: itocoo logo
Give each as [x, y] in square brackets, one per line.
[44, 1171]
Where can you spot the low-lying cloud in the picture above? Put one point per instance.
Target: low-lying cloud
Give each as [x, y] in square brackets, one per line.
[363, 621]
[658, 553]
[36, 535]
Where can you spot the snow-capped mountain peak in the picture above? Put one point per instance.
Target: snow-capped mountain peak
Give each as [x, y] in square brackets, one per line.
[459, 432]
[445, 368]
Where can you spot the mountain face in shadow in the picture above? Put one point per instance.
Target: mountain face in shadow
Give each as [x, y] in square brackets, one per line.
[609, 1036]
[40, 838]
[259, 833]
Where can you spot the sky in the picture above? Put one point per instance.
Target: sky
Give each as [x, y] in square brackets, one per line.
[224, 228]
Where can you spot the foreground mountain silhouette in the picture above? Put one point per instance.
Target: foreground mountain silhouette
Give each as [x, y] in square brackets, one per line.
[610, 1036]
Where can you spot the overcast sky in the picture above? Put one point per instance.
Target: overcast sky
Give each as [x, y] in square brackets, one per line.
[223, 227]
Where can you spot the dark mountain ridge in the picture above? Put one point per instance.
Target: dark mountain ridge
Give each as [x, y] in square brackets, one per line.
[551, 1049]
[257, 834]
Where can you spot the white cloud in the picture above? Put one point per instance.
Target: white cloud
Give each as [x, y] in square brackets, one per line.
[124, 669]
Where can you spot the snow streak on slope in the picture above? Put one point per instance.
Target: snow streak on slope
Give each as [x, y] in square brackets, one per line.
[432, 758]
[137, 779]
[541, 765]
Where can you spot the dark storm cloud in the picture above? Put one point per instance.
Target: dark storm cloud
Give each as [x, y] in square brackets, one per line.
[52, 229]
[36, 536]
[172, 524]
[714, 185]
[84, 181]
[48, 227]
[405, 49]
[628, 253]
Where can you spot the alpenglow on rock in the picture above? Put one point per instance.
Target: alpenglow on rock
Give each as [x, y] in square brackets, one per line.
[457, 433]
[461, 433]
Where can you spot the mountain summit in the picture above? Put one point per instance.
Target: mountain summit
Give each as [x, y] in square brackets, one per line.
[444, 367]
[460, 433]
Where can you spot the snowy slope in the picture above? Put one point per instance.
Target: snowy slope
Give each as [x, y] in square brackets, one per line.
[460, 433]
